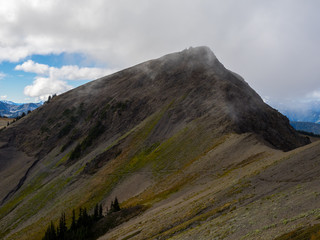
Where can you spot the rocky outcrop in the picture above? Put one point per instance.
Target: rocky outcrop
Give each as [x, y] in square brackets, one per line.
[193, 80]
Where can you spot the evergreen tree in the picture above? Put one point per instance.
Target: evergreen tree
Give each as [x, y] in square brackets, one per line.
[100, 214]
[73, 223]
[111, 208]
[96, 212]
[81, 229]
[50, 233]
[76, 153]
[85, 214]
[80, 219]
[46, 235]
[116, 205]
[62, 230]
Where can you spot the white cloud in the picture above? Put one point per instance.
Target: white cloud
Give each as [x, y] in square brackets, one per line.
[3, 97]
[41, 88]
[314, 95]
[273, 44]
[68, 72]
[31, 66]
[2, 75]
[52, 80]
[75, 73]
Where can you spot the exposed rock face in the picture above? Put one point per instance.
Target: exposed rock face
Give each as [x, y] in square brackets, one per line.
[142, 134]
[193, 80]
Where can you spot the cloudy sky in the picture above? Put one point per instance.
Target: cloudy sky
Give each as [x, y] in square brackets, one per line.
[51, 46]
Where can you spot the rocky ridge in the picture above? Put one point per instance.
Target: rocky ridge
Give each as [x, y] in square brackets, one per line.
[158, 134]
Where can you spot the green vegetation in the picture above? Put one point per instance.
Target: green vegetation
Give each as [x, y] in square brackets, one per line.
[65, 146]
[119, 106]
[110, 107]
[81, 109]
[73, 116]
[21, 116]
[166, 159]
[63, 160]
[76, 153]
[74, 136]
[68, 112]
[32, 187]
[44, 129]
[302, 233]
[94, 133]
[82, 228]
[37, 196]
[114, 207]
[66, 129]
[50, 98]
[103, 113]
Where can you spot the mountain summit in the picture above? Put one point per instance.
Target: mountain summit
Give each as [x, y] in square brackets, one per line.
[193, 81]
[142, 134]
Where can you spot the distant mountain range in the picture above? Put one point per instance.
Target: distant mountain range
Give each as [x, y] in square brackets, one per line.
[306, 127]
[12, 103]
[12, 109]
[299, 111]
[303, 116]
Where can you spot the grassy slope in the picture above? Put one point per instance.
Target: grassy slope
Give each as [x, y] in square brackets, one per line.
[40, 199]
[13, 212]
[182, 171]
[199, 181]
[267, 206]
[246, 201]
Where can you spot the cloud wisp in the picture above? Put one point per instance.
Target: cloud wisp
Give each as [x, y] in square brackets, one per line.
[2, 75]
[53, 80]
[42, 87]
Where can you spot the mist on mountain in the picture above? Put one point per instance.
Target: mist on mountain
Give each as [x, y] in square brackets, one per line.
[188, 148]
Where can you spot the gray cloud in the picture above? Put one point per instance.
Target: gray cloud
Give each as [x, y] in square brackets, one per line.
[272, 44]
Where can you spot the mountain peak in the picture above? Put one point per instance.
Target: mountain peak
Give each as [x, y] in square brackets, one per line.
[202, 54]
[143, 133]
[193, 82]
[201, 51]
[193, 55]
